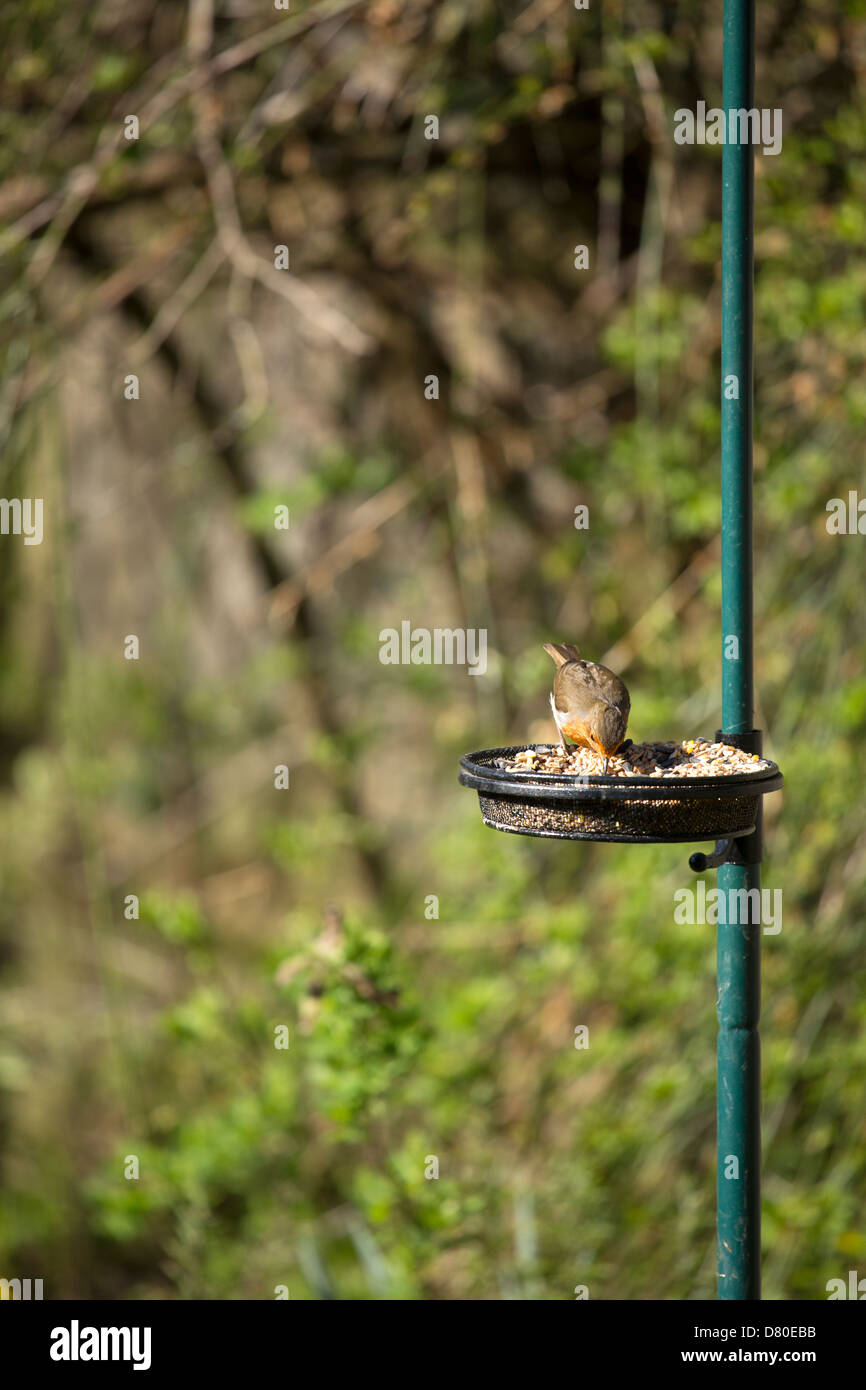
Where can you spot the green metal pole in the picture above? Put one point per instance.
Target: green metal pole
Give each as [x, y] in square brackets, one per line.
[739, 936]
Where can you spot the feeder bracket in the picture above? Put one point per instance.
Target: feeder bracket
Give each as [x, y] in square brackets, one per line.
[720, 855]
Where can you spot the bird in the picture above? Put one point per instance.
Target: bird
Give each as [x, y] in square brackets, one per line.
[590, 704]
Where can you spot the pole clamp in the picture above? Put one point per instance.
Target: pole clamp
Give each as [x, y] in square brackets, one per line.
[744, 849]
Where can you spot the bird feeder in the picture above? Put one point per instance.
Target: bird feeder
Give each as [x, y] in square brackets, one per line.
[728, 809]
[639, 810]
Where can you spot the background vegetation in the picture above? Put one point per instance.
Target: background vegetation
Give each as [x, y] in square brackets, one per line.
[410, 1036]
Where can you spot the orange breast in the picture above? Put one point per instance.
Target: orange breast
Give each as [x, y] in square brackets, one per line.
[578, 732]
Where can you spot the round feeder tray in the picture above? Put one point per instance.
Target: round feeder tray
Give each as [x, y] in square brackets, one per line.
[637, 810]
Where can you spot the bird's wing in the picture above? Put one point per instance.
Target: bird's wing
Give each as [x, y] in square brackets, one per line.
[610, 688]
[575, 692]
[581, 684]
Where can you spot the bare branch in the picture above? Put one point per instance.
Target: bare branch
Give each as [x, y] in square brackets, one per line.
[66, 204]
[173, 310]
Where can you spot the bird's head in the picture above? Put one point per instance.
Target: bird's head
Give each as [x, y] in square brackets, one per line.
[609, 728]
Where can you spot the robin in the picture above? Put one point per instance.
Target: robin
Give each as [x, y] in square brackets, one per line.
[590, 704]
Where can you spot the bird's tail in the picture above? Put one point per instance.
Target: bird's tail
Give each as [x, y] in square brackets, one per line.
[562, 652]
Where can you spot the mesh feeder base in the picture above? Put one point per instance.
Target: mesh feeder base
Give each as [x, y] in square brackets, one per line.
[650, 822]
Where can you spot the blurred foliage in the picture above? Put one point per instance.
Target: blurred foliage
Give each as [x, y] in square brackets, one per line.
[299, 915]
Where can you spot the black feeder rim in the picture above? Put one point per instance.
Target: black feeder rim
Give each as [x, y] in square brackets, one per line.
[633, 810]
